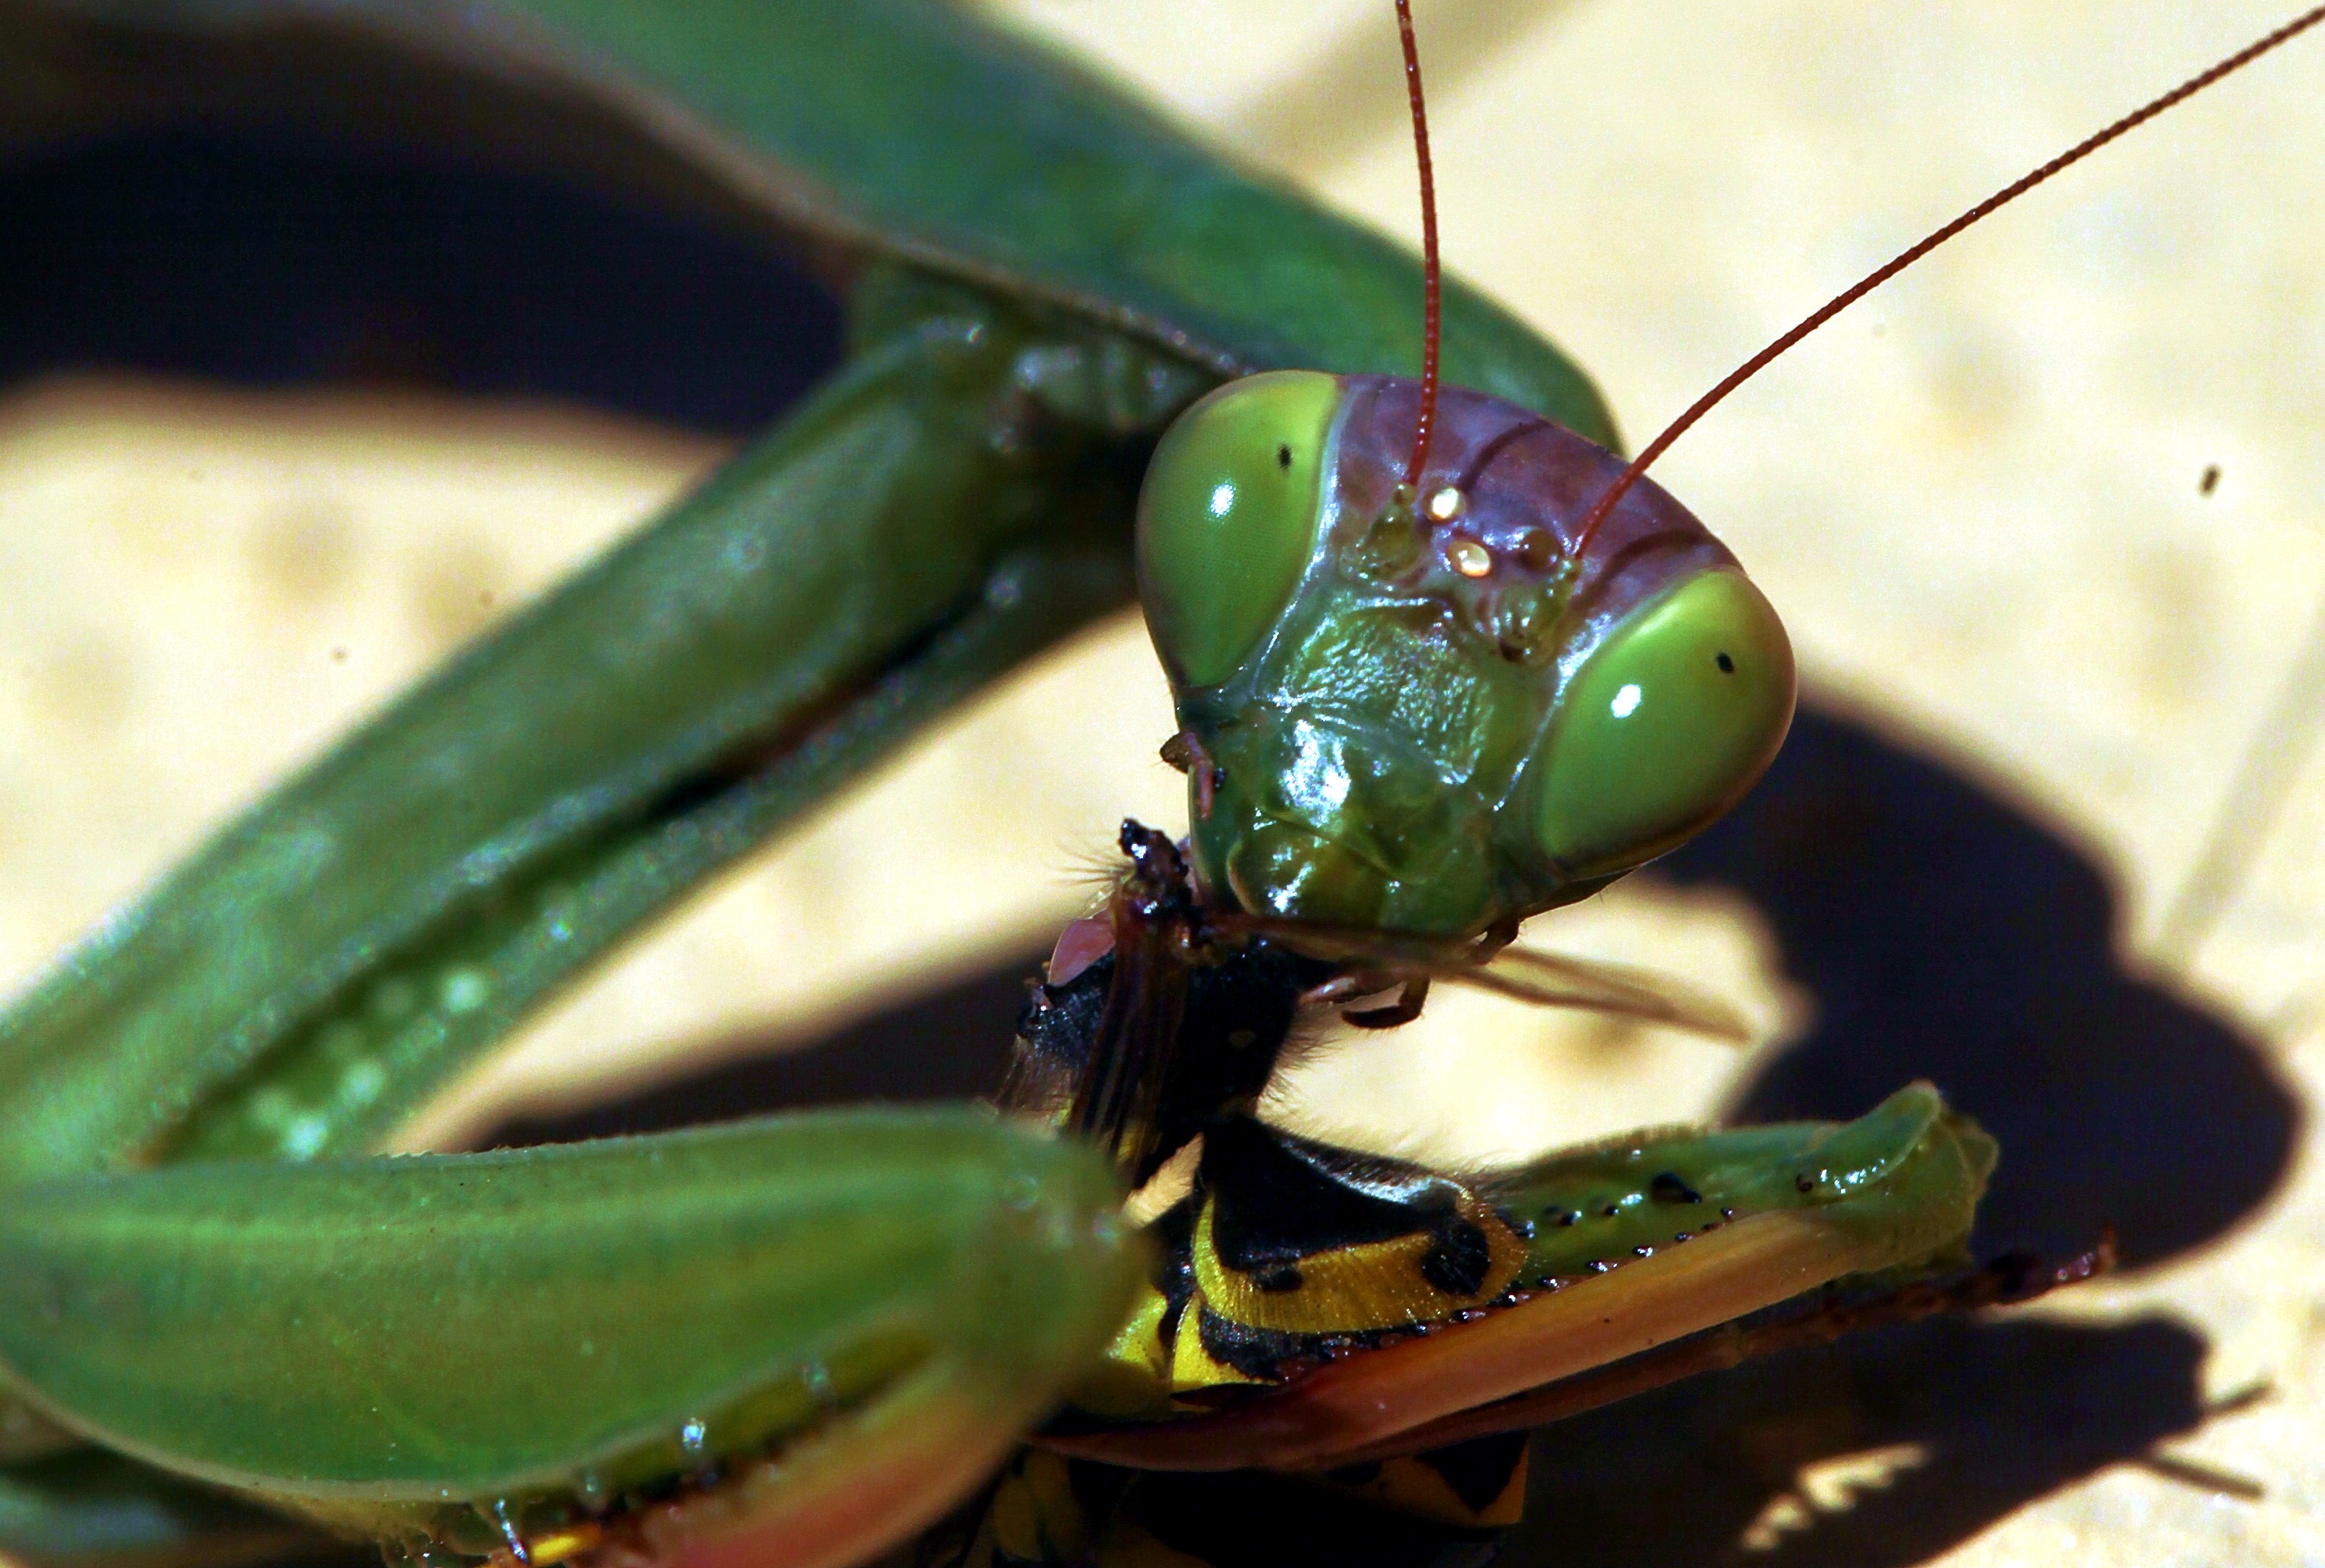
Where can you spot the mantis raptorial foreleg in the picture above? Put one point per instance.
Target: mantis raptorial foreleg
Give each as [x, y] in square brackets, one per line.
[897, 543]
[844, 1319]
[955, 498]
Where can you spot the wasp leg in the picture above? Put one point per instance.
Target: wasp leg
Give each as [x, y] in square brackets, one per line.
[1402, 1010]
[1478, 1484]
[1352, 985]
[1043, 1510]
[1339, 988]
[1184, 751]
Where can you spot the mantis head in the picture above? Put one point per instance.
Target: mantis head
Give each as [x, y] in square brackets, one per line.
[1440, 708]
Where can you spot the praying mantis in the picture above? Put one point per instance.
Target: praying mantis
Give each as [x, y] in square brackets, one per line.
[1124, 394]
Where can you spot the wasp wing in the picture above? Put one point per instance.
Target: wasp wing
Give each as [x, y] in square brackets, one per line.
[1523, 974]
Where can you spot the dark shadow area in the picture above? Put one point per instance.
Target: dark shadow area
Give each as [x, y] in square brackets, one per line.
[1982, 1418]
[264, 263]
[947, 1045]
[1947, 935]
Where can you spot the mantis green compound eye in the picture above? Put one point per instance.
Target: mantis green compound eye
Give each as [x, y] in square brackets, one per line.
[1673, 717]
[1228, 519]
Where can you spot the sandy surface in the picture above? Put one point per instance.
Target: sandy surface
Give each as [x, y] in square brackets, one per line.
[2050, 833]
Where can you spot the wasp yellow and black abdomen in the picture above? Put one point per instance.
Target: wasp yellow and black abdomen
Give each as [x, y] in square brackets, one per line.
[1287, 1252]
[1614, 1248]
[1324, 1310]
[1299, 1239]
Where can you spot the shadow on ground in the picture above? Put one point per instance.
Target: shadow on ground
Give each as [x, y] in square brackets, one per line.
[1946, 934]
[1973, 1420]
[266, 261]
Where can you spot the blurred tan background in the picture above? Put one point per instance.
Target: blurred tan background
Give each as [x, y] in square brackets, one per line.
[1979, 500]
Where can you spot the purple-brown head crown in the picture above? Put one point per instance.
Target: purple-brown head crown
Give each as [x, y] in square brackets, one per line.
[1493, 520]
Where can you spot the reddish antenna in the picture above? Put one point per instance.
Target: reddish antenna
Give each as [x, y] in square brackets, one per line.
[1429, 272]
[1841, 301]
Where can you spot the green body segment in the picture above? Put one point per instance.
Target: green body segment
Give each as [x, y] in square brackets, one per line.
[303, 982]
[368, 1340]
[942, 134]
[1906, 1177]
